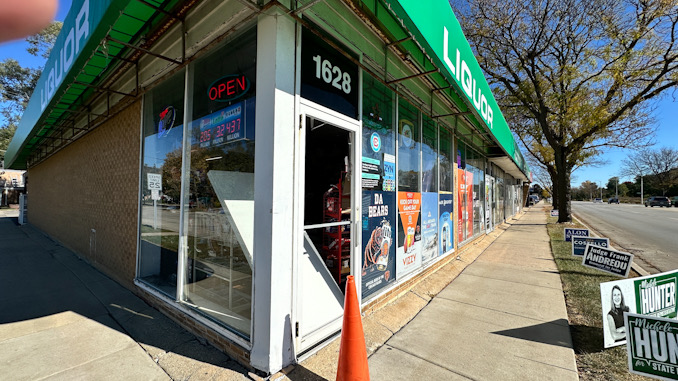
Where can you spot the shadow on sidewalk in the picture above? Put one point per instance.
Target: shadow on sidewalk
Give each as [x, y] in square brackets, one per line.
[545, 333]
[46, 284]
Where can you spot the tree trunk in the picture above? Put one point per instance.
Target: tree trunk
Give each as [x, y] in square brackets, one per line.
[554, 186]
[563, 173]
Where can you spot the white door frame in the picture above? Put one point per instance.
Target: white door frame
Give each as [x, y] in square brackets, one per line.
[353, 126]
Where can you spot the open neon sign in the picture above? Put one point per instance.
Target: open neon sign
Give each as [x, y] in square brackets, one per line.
[228, 88]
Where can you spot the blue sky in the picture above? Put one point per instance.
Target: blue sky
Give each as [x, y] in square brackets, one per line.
[666, 136]
[666, 115]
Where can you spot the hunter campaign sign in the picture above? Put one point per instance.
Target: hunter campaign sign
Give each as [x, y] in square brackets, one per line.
[579, 244]
[653, 295]
[652, 346]
[572, 232]
[608, 260]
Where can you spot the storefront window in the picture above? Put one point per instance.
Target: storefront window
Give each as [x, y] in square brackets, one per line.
[445, 196]
[408, 148]
[161, 184]
[429, 186]
[220, 201]
[378, 187]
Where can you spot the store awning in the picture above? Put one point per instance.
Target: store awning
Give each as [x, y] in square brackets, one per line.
[437, 35]
[97, 36]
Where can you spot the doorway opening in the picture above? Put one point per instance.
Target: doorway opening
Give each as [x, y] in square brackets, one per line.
[327, 195]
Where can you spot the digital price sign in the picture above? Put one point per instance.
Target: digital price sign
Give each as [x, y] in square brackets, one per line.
[224, 126]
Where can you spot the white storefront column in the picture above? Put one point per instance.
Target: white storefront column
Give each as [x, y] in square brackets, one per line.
[272, 336]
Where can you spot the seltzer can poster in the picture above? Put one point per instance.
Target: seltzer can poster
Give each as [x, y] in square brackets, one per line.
[652, 295]
[429, 226]
[579, 244]
[652, 347]
[608, 260]
[408, 252]
[378, 260]
[446, 235]
[572, 232]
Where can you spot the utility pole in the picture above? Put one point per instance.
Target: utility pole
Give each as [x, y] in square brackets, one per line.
[616, 191]
[642, 199]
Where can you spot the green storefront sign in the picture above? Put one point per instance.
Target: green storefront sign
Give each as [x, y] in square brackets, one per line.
[652, 346]
[436, 23]
[86, 24]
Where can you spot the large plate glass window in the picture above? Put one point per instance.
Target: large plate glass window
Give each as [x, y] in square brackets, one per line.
[408, 253]
[378, 187]
[446, 195]
[162, 133]
[429, 188]
[219, 205]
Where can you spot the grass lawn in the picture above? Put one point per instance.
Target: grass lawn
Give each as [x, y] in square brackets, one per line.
[582, 296]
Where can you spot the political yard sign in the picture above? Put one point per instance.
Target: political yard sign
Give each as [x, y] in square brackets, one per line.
[579, 244]
[608, 260]
[572, 232]
[652, 346]
[653, 295]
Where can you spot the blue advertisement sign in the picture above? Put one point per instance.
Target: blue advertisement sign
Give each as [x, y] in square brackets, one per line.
[378, 264]
[429, 226]
[228, 125]
[446, 210]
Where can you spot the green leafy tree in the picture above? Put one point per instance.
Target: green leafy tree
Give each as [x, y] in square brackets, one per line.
[575, 77]
[17, 83]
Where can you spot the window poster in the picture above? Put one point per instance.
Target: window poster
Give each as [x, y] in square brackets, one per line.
[469, 204]
[462, 194]
[378, 174]
[378, 265]
[429, 226]
[446, 210]
[408, 253]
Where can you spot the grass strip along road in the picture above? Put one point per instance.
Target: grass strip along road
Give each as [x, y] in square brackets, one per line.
[582, 295]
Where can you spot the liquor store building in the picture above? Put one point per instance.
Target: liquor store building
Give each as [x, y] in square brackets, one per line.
[232, 161]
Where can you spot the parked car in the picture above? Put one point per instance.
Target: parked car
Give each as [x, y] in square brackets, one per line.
[613, 200]
[674, 201]
[598, 199]
[533, 199]
[658, 201]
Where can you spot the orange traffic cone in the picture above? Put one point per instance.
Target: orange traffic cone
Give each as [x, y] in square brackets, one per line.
[352, 351]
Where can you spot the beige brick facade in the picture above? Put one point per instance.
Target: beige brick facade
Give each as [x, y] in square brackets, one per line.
[93, 183]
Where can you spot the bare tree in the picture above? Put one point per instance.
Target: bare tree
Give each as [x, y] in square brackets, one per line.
[575, 77]
[660, 164]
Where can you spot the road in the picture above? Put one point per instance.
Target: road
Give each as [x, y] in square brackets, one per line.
[651, 234]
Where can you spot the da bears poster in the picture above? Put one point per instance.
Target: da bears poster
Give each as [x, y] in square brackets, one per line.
[408, 253]
[378, 260]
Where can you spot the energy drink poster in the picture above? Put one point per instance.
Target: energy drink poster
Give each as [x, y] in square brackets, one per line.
[378, 261]
[408, 253]
[446, 210]
[429, 226]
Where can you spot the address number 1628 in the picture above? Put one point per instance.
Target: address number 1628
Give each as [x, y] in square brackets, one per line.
[332, 74]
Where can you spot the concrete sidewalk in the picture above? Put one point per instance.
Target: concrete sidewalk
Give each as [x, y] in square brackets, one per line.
[502, 318]
[60, 319]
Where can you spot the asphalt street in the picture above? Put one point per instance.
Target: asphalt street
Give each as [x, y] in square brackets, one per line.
[648, 233]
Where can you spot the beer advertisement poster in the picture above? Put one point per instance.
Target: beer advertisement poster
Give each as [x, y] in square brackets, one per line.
[378, 260]
[408, 252]
[429, 226]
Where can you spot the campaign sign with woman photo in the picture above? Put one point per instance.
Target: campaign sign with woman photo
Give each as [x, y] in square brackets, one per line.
[652, 295]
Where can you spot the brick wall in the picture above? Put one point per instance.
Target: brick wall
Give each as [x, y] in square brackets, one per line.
[93, 183]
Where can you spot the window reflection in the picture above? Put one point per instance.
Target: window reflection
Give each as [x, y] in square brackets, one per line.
[220, 199]
[161, 184]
